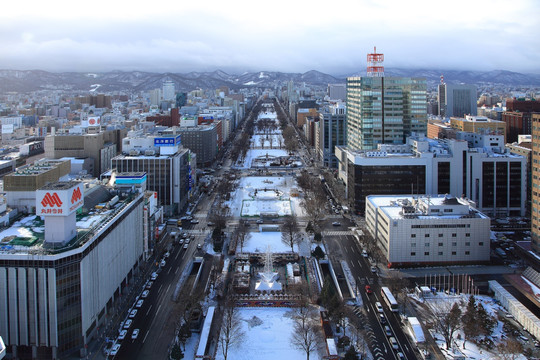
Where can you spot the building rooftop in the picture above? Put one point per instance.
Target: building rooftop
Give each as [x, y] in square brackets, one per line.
[26, 235]
[441, 207]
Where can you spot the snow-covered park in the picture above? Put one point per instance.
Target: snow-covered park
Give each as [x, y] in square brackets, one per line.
[256, 195]
[258, 242]
[267, 336]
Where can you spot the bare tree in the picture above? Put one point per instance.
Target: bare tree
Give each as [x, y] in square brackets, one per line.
[305, 330]
[261, 140]
[314, 208]
[219, 216]
[446, 319]
[242, 233]
[231, 334]
[510, 349]
[290, 232]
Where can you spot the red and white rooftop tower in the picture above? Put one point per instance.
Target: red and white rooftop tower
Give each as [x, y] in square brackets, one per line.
[375, 66]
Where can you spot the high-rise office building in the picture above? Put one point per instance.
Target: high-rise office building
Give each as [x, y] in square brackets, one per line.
[331, 132]
[337, 91]
[535, 205]
[457, 100]
[169, 92]
[393, 106]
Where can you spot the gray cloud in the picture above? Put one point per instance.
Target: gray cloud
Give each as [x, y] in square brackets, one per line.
[238, 36]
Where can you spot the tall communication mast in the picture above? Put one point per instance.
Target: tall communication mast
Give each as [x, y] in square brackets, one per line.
[375, 66]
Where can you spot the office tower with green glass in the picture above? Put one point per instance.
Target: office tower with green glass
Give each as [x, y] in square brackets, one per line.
[377, 105]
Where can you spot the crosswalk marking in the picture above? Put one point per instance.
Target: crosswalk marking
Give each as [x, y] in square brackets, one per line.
[337, 233]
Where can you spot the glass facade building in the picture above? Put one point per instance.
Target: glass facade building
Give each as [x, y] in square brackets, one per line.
[384, 110]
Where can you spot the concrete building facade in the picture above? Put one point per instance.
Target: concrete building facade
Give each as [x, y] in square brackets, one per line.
[457, 100]
[428, 230]
[475, 166]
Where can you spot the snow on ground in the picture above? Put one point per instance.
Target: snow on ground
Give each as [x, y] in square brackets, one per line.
[471, 351]
[267, 336]
[255, 153]
[191, 346]
[271, 139]
[267, 115]
[259, 241]
[245, 194]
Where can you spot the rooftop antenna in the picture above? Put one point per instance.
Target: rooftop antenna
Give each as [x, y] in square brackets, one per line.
[375, 66]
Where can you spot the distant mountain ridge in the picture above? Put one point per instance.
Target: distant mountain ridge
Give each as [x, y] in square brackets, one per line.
[33, 80]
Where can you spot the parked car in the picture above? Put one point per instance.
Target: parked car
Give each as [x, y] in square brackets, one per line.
[364, 253]
[149, 284]
[139, 303]
[145, 293]
[133, 313]
[167, 254]
[128, 323]
[122, 335]
[162, 263]
[154, 276]
[373, 269]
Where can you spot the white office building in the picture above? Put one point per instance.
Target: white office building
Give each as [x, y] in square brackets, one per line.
[476, 166]
[428, 230]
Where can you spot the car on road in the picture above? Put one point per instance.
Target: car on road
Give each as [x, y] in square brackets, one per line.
[379, 307]
[336, 223]
[400, 356]
[194, 221]
[128, 323]
[186, 246]
[364, 253]
[162, 263]
[373, 269]
[114, 349]
[154, 276]
[135, 334]
[260, 221]
[368, 289]
[149, 284]
[181, 241]
[387, 330]
[139, 303]
[199, 246]
[209, 223]
[167, 254]
[187, 241]
[122, 335]
[133, 313]
[394, 343]
[382, 319]
[145, 293]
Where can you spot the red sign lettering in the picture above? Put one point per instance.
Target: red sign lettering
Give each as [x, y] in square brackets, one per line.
[76, 196]
[51, 200]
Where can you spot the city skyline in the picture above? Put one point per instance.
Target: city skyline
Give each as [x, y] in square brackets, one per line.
[290, 37]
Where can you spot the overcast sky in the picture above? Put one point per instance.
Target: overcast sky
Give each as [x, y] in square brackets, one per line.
[331, 36]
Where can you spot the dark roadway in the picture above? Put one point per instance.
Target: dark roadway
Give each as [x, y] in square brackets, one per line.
[345, 247]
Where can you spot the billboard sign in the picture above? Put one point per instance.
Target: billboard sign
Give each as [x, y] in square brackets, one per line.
[167, 141]
[59, 202]
[94, 121]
